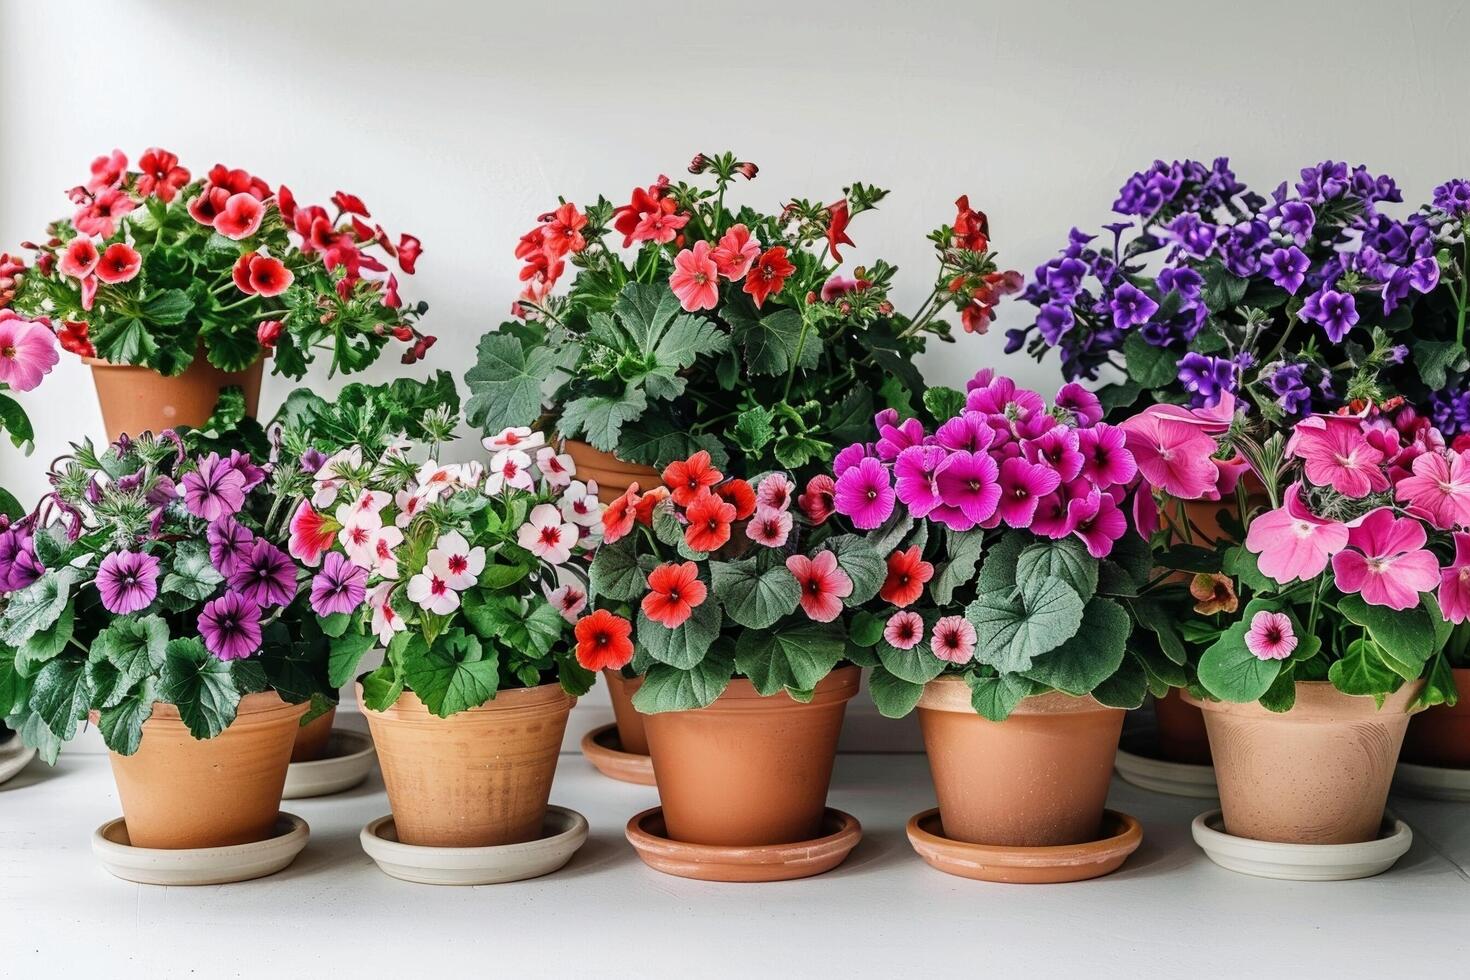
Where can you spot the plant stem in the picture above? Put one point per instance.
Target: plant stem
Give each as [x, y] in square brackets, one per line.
[796, 358]
[1464, 299]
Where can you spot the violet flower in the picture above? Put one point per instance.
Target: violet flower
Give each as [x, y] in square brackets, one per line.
[127, 581]
[230, 627]
[340, 587]
[265, 576]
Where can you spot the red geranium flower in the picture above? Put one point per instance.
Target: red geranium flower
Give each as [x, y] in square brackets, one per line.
[819, 501]
[350, 204]
[675, 591]
[739, 493]
[409, 250]
[286, 204]
[99, 216]
[80, 258]
[837, 221]
[688, 478]
[241, 272]
[119, 264]
[269, 276]
[617, 519]
[628, 217]
[709, 522]
[563, 233]
[241, 216]
[648, 502]
[971, 228]
[907, 573]
[823, 585]
[602, 641]
[768, 274]
[161, 176]
[73, 337]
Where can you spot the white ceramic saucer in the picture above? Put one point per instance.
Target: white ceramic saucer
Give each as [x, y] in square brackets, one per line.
[199, 865]
[1302, 862]
[348, 760]
[14, 756]
[563, 833]
[1432, 782]
[1161, 776]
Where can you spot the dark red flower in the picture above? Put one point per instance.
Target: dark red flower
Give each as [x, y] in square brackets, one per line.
[268, 332]
[119, 264]
[819, 501]
[837, 221]
[286, 204]
[73, 337]
[241, 272]
[768, 275]
[971, 228]
[602, 641]
[907, 573]
[644, 509]
[350, 204]
[269, 276]
[409, 250]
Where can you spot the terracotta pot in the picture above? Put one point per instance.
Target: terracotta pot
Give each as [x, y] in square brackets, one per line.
[1038, 779]
[178, 791]
[1181, 730]
[1440, 736]
[612, 474]
[478, 778]
[749, 770]
[1317, 774]
[311, 738]
[136, 399]
[631, 734]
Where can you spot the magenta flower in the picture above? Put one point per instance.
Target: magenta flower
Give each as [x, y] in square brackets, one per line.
[905, 630]
[1270, 636]
[1386, 562]
[1100, 528]
[917, 486]
[230, 627]
[340, 587]
[1172, 454]
[953, 639]
[1083, 405]
[1022, 484]
[1106, 460]
[894, 437]
[1338, 455]
[127, 581]
[1454, 582]
[18, 564]
[216, 489]
[1439, 489]
[969, 483]
[265, 576]
[1060, 512]
[1000, 396]
[1057, 448]
[229, 541]
[1292, 542]
[849, 458]
[865, 494]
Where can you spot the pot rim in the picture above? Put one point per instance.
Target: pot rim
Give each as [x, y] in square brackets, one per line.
[261, 708]
[543, 698]
[950, 693]
[1319, 701]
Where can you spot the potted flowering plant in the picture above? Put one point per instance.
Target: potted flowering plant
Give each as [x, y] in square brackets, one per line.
[146, 592]
[1328, 626]
[27, 355]
[1005, 612]
[468, 578]
[197, 279]
[724, 330]
[730, 601]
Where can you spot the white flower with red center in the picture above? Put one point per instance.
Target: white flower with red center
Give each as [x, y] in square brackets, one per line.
[568, 600]
[409, 504]
[327, 482]
[471, 474]
[385, 559]
[358, 536]
[386, 621]
[509, 469]
[432, 593]
[557, 469]
[435, 479]
[455, 562]
[516, 437]
[547, 536]
[371, 501]
[579, 504]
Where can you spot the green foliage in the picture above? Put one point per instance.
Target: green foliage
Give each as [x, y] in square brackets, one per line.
[754, 598]
[894, 696]
[667, 688]
[1015, 627]
[796, 658]
[505, 383]
[201, 686]
[454, 674]
[684, 646]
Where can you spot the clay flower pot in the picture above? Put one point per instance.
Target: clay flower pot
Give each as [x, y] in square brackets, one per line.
[749, 770]
[631, 734]
[181, 792]
[136, 399]
[1440, 736]
[1317, 774]
[311, 738]
[1181, 730]
[1038, 779]
[478, 778]
[612, 474]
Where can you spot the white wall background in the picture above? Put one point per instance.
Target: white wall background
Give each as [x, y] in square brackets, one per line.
[460, 121]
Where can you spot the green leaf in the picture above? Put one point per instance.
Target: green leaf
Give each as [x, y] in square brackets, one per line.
[770, 343]
[795, 658]
[1406, 636]
[1067, 559]
[653, 440]
[1230, 672]
[123, 341]
[347, 653]
[193, 575]
[14, 690]
[1241, 563]
[335, 624]
[13, 419]
[944, 403]
[685, 646]
[1439, 685]
[1091, 656]
[752, 598]
[600, 418]
[998, 572]
[996, 697]
[136, 647]
[453, 675]
[201, 686]
[1281, 695]
[122, 723]
[1150, 366]
[866, 629]
[1157, 617]
[505, 383]
[168, 307]
[44, 644]
[1361, 671]
[381, 687]
[666, 340]
[917, 665]
[1126, 688]
[753, 430]
[667, 688]
[894, 696]
[37, 606]
[1013, 630]
[59, 696]
[863, 563]
[964, 549]
[615, 573]
[1435, 358]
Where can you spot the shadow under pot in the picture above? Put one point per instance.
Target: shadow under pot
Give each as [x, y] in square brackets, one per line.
[1038, 779]
[135, 399]
[749, 770]
[613, 476]
[1181, 730]
[479, 778]
[1440, 736]
[1317, 774]
[181, 792]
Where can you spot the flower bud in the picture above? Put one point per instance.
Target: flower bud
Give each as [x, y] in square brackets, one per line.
[699, 164]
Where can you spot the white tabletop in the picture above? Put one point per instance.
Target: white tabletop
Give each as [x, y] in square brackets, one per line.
[1168, 912]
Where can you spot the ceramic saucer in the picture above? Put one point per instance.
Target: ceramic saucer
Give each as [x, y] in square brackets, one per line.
[562, 834]
[774, 862]
[1026, 865]
[347, 762]
[1301, 862]
[1138, 763]
[603, 750]
[1432, 782]
[199, 865]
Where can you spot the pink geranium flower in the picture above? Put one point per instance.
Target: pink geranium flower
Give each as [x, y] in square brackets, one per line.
[953, 640]
[736, 253]
[1022, 484]
[1292, 542]
[240, 217]
[1270, 636]
[1386, 562]
[1338, 455]
[769, 526]
[79, 259]
[1454, 582]
[865, 494]
[1105, 459]
[905, 630]
[1099, 522]
[1439, 488]
[27, 351]
[696, 278]
[1172, 454]
[823, 585]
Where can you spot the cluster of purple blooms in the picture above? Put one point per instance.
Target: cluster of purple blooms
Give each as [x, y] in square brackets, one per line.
[1005, 460]
[1326, 244]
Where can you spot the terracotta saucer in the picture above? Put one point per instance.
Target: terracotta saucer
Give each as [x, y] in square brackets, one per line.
[14, 756]
[603, 750]
[775, 862]
[562, 834]
[1432, 782]
[1026, 865]
[347, 762]
[1138, 763]
[199, 865]
[1302, 862]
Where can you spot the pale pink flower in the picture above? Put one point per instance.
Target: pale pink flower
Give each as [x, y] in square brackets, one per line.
[905, 630]
[409, 503]
[455, 562]
[27, 351]
[1270, 636]
[509, 469]
[1385, 561]
[1338, 455]
[1439, 488]
[434, 479]
[547, 536]
[358, 536]
[1454, 582]
[776, 492]
[823, 584]
[769, 526]
[385, 558]
[953, 639]
[557, 469]
[580, 505]
[568, 600]
[515, 437]
[328, 480]
[386, 621]
[696, 278]
[1292, 542]
[1172, 454]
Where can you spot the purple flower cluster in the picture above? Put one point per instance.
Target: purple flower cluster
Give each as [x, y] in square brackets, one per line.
[1005, 460]
[217, 487]
[18, 564]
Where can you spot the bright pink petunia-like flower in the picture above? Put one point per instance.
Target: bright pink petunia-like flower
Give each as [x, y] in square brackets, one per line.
[1292, 542]
[1106, 460]
[1270, 636]
[27, 351]
[905, 630]
[1172, 454]
[1337, 455]
[735, 253]
[1022, 484]
[696, 278]
[953, 639]
[971, 483]
[865, 494]
[1099, 522]
[1439, 489]
[1454, 582]
[823, 585]
[1386, 561]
